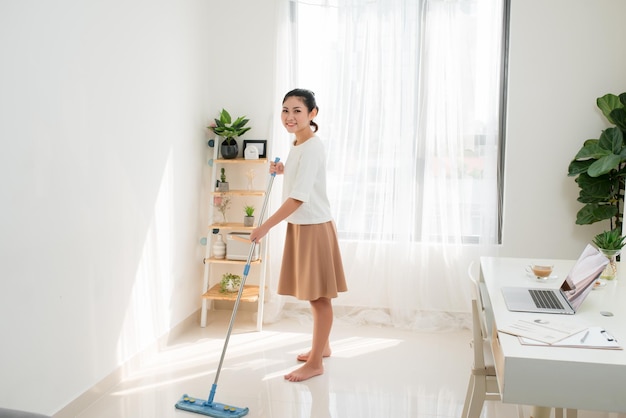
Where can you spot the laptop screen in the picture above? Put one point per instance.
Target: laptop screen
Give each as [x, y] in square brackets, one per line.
[582, 276]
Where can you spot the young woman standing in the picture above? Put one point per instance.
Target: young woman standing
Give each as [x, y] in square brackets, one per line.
[311, 268]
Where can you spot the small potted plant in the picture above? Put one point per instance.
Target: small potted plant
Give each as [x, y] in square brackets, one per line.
[230, 283]
[230, 130]
[222, 185]
[248, 220]
[610, 243]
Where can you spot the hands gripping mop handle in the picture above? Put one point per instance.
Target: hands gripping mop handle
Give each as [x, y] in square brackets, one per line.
[243, 282]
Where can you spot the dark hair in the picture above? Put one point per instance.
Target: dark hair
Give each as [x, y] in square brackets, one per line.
[308, 97]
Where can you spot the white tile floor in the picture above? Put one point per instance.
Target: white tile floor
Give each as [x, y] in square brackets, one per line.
[374, 372]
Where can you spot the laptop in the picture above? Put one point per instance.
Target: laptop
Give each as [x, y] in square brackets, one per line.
[568, 298]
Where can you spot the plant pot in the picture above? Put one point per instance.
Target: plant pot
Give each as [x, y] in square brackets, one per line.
[229, 151]
[248, 221]
[230, 283]
[610, 271]
[222, 186]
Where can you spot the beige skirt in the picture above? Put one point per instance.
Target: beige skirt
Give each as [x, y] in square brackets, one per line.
[311, 266]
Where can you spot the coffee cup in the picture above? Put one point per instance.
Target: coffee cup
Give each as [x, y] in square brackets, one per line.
[540, 271]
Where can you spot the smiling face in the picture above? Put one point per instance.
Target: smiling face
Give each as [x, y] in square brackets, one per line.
[296, 117]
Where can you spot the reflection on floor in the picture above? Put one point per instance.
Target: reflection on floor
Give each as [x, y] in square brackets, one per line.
[373, 372]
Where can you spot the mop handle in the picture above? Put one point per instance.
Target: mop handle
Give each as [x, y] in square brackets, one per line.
[243, 282]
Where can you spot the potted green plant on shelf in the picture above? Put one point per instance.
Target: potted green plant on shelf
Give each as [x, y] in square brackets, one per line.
[610, 243]
[248, 220]
[225, 127]
[230, 283]
[222, 185]
[600, 167]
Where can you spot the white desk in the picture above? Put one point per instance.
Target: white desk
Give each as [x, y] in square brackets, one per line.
[576, 378]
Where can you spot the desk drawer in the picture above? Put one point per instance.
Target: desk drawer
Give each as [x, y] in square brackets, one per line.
[498, 357]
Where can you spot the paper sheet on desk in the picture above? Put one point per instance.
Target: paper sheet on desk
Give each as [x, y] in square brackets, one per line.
[593, 337]
[546, 331]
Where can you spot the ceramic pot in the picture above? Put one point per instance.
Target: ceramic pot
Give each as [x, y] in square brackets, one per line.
[229, 151]
[219, 247]
[248, 221]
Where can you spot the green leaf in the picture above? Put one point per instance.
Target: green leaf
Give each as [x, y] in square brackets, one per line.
[607, 103]
[612, 139]
[577, 167]
[594, 213]
[619, 118]
[225, 117]
[592, 149]
[604, 165]
[594, 189]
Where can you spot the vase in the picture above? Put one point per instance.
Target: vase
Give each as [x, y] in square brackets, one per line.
[219, 247]
[610, 271]
[229, 151]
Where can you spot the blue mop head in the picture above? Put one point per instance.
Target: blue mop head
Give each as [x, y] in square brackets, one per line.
[212, 409]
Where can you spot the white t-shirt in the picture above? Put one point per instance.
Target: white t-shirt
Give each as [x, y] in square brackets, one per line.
[305, 180]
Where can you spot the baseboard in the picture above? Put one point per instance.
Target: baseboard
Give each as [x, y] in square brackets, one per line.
[105, 385]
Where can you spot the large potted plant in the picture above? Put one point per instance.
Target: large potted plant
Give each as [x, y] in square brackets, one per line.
[600, 167]
[229, 130]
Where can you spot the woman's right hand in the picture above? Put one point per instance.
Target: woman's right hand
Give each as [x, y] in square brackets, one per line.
[277, 168]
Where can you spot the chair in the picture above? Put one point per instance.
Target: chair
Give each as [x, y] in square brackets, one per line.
[483, 382]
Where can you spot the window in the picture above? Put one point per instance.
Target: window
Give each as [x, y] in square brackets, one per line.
[410, 95]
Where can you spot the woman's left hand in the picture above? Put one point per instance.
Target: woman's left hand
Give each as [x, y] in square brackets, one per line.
[258, 233]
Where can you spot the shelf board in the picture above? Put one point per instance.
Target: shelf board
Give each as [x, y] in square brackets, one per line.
[250, 294]
[241, 161]
[227, 261]
[240, 193]
[232, 225]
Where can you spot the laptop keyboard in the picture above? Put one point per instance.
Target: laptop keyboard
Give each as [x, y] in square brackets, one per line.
[545, 299]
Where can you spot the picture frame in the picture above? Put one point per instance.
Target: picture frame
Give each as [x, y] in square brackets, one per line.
[260, 144]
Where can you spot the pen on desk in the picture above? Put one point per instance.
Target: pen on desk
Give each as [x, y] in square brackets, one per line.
[582, 340]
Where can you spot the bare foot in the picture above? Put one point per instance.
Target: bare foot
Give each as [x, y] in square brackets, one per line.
[305, 372]
[305, 356]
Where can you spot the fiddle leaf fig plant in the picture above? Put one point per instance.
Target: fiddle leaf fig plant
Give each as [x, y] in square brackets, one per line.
[600, 167]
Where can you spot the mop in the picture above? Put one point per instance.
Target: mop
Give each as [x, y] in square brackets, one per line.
[208, 407]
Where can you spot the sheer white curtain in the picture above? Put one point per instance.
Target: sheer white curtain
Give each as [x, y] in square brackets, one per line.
[408, 92]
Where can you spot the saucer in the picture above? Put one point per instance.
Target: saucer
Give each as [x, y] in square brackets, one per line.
[536, 279]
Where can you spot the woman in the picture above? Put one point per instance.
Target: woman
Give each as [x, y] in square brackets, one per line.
[311, 268]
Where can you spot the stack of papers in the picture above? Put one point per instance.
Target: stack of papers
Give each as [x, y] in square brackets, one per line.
[543, 330]
[560, 334]
[593, 337]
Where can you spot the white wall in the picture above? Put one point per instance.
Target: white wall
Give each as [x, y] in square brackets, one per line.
[242, 34]
[563, 55]
[103, 108]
